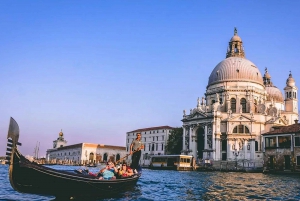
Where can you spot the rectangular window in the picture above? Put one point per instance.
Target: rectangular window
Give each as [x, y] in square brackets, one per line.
[156, 146]
[284, 141]
[298, 160]
[162, 146]
[156, 138]
[270, 142]
[163, 137]
[297, 141]
[153, 138]
[149, 147]
[144, 139]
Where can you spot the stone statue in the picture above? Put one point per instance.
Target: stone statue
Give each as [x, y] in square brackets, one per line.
[191, 111]
[184, 113]
[235, 31]
[198, 102]
[229, 113]
[203, 100]
[241, 109]
[217, 97]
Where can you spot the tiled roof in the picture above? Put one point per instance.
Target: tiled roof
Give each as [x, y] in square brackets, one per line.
[294, 128]
[152, 128]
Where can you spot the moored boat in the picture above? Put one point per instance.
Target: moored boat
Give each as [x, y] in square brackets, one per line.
[171, 162]
[30, 177]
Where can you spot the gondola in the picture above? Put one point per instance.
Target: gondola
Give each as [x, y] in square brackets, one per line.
[29, 177]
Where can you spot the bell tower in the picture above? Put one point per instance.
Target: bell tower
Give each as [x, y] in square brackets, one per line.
[290, 91]
[235, 47]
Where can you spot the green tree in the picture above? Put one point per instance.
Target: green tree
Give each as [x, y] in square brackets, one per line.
[174, 143]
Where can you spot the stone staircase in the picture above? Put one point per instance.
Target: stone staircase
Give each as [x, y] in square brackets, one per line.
[240, 165]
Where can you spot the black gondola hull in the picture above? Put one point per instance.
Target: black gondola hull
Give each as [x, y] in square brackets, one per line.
[30, 177]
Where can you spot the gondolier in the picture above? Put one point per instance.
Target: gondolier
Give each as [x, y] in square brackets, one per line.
[135, 149]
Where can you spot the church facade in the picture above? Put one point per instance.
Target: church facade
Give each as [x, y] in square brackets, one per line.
[239, 105]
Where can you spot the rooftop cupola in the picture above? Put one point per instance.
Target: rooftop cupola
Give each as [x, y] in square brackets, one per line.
[235, 47]
[267, 78]
[290, 82]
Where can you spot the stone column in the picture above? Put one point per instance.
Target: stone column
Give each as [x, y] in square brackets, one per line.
[205, 137]
[245, 149]
[213, 137]
[218, 151]
[252, 148]
[190, 137]
[183, 138]
[228, 149]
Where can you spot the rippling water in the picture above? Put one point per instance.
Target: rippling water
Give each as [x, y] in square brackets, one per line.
[174, 185]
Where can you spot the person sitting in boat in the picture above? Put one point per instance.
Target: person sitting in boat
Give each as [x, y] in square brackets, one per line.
[125, 171]
[108, 172]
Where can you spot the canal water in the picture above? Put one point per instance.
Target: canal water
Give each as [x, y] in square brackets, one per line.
[177, 185]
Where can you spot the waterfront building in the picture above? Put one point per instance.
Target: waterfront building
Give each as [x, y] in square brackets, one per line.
[282, 148]
[239, 105]
[154, 139]
[83, 153]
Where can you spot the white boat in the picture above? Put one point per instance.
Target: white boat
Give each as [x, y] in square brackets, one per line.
[171, 162]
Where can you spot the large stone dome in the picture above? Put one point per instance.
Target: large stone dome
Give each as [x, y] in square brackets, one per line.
[235, 69]
[274, 93]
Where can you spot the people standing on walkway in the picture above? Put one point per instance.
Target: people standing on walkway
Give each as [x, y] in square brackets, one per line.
[135, 150]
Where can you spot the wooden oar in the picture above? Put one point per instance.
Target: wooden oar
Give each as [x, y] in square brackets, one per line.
[128, 155]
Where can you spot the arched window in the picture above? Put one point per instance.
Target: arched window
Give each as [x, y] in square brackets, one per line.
[287, 94]
[295, 94]
[118, 157]
[213, 101]
[233, 105]
[241, 129]
[290, 95]
[221, 101]
[243, 103]
[256, 146]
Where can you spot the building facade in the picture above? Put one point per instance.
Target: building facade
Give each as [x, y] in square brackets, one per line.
[239, 105]
[154, 139]
[83, 153]
[282, 148]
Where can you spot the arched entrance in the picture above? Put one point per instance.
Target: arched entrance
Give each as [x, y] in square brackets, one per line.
[91, 158]
[105, 157]
[200, 142]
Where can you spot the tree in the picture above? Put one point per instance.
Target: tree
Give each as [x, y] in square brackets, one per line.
[174, 143]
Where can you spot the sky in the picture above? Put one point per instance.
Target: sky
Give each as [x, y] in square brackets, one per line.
[99, 69]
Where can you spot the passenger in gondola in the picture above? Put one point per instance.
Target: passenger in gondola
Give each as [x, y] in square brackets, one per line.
[125, 171]
[108, 172]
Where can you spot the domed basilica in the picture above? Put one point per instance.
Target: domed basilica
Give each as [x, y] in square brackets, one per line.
[239, 105]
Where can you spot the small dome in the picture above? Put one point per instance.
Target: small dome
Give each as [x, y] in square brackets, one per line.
[267, 75]
[274, 93]
[61, 133]
[290, 81]
[235, 69]
[236, 38]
